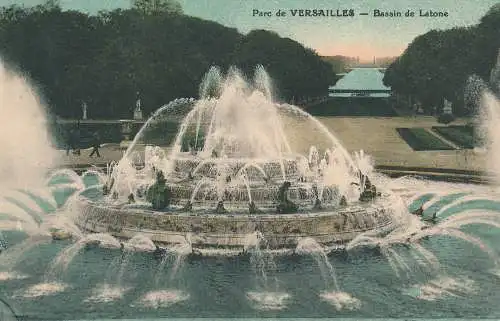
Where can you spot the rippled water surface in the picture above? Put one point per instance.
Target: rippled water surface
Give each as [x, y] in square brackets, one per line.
[105, 283]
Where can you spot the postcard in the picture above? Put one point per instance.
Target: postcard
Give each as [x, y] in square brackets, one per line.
[286, 159]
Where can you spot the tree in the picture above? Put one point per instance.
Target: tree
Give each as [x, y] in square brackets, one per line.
[487, 42]
[157, 6]
[105, 59]
[437, 64]
[52, 4]
[296, 71]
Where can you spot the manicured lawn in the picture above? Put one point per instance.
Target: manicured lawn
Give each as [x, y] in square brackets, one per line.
[462, 136]
[421, 140]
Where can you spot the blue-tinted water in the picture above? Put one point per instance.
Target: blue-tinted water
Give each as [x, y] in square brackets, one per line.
[465, 286]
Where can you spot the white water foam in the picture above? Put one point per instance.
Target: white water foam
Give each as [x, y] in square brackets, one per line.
[11, 275]
[341, 300]
[269, 300]
[43, 289]
[443, 286]
[106, 293]
[162, 298]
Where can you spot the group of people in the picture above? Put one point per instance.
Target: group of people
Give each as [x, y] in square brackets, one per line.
[73, 140]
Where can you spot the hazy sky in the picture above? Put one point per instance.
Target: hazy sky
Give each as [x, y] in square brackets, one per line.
[363, 36]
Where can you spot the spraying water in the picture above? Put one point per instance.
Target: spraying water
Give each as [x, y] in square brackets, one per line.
[309, 246]
[265, 139]
[23, 134]
[27, 154]
[265, 297]
[234, 147]
[489, 117]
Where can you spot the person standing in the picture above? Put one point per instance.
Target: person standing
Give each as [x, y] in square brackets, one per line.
[96, 143]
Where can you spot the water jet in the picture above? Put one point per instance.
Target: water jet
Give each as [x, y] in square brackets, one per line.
[244, 174]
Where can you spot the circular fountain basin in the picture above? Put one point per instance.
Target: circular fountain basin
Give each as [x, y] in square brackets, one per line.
[229, 233]
[247, 154]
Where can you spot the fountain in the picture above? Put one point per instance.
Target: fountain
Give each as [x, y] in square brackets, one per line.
[246, 176]
[240, 173]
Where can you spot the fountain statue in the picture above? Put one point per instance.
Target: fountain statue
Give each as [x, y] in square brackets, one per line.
[369, 191]
[285, 205]
[138, 110]
[447, 109]
[241, 173]
[84, 110]
[158, 194]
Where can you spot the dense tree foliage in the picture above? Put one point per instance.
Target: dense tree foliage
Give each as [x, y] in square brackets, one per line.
[152, 48]
[437, 65]
[155, 6]
[298, 72]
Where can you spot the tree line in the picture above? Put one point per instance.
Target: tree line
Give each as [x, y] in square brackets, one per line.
[438, 64]
[152, 49]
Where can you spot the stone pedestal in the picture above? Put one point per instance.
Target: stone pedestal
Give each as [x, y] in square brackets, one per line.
[137, 114]
[84, 111]
[124, 144]
[447, 109]
[126, 133]
[138, 110]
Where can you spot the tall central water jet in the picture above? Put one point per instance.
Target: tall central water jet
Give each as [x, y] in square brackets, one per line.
[240, 123]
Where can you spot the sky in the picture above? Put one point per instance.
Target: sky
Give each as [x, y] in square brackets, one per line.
[358, 36]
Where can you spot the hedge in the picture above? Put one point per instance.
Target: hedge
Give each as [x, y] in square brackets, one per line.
[344, 107]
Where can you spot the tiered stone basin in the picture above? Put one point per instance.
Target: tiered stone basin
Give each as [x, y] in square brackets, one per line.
[238, 197]
[194, 180]
[254, 169]
[229, 233]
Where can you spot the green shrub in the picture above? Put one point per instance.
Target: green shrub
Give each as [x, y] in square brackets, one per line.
[445, 118]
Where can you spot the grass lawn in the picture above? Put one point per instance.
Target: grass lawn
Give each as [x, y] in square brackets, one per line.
[462, 136]
[420, 139]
